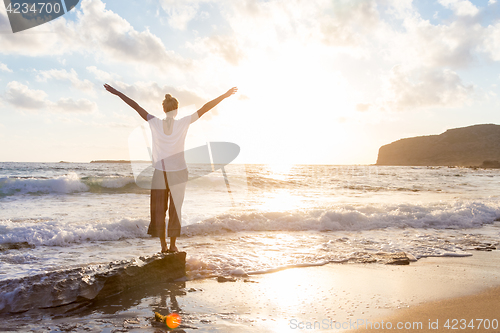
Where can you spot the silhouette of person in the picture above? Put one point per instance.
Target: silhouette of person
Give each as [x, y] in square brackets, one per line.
[170, 170]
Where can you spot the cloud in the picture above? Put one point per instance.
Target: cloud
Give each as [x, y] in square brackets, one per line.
[63, 75]
[4, 21]
[22, 97]
[460, 7]
[27, 43]
[425, 88]
[422, 43]
[96, 30]
[226, 47]
[180, 13]
[70, 105]
[4, 68]
[153, 94]
[491, 44]
[362, 107]
[121, 120]
[115, 37]
[350, 23]
[102, 75]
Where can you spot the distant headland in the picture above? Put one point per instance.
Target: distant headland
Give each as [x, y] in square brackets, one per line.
[477, 145]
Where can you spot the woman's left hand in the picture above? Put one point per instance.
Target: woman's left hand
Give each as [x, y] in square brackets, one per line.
[230, 92]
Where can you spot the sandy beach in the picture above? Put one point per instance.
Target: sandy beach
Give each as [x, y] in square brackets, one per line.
[472, 313]
[333, 297]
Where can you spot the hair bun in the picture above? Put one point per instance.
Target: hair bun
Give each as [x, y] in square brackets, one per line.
[170, 103]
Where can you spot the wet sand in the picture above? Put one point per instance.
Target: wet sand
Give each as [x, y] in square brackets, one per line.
[332, 297]
[473, 313]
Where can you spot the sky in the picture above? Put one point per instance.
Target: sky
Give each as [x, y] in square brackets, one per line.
[320, 82]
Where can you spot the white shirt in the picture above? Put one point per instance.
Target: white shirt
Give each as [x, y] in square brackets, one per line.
[168, 150]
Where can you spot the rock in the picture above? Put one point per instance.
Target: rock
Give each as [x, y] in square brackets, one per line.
[225, 279]
[399, 258]
[159, 268]
[63, 287]
[466, 146]
[491, 164]
[485, 248]
[15, 246]
[398, 261]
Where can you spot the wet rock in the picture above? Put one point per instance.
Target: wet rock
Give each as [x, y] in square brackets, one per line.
[156, 269]
[399, 258]
[81, 285]
[15, 246]
[225, 279]
[485, 248]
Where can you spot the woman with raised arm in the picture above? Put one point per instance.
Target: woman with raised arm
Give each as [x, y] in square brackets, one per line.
[170, 170]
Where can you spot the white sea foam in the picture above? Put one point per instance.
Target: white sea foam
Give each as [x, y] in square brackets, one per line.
[62, 184]
[70, 183]
[55, 233]
[264, 252]
[455, 215]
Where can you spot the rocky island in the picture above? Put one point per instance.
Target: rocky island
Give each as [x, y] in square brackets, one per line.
[477, 145]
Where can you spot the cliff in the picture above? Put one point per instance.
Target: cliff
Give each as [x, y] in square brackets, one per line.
[466, 146]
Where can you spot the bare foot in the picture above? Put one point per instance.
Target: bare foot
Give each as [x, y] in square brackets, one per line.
[173, 249]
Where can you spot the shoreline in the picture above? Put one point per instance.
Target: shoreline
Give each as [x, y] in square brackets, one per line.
[472, 313]
[450, 308]
[338, 293]
[287, 300]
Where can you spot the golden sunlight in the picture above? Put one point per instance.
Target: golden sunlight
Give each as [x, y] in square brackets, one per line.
[280, 170]
[280, 201]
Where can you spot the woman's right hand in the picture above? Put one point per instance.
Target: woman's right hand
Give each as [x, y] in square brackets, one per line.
[230, 92]
[111, 89]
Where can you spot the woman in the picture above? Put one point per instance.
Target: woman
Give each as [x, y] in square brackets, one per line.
[170, 169]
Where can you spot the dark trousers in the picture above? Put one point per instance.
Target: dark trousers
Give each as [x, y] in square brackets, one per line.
[167, 192]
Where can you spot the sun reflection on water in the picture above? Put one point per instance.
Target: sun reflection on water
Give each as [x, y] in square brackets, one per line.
[280, 171]
[280, 201]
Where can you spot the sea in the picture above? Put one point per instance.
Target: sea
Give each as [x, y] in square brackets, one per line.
[241, 219]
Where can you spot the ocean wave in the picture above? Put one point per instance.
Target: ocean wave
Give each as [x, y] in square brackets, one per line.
[112, 184]
[106, 182]
[63, 184]
[67, 184]
[455, 215]
[53, 233]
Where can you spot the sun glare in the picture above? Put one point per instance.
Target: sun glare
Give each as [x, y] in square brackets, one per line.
[280, 201]
[294, 101]
[280, 170]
